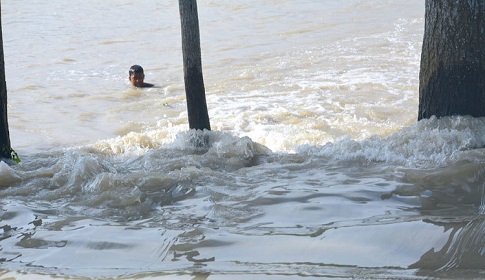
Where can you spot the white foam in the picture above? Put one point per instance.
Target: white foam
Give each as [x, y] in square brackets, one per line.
[8, 175]
[427, 143]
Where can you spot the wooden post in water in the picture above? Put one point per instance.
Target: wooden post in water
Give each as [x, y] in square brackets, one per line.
[194, 82]
[452, 76]
[5, 148]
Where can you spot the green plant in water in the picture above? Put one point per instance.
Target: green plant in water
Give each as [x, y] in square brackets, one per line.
[13, 154]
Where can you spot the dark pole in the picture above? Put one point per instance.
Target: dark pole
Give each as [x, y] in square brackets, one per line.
[452, 76]
[5, 148]
[194, 82]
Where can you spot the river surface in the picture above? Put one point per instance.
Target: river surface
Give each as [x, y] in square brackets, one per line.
[315, 168]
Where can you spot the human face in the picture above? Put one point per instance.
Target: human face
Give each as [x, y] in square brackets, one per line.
[136, 79]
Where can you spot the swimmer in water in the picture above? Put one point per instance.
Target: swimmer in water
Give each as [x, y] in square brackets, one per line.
[137, 77]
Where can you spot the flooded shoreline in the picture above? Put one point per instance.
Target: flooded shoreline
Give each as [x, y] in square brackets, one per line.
[316, 167]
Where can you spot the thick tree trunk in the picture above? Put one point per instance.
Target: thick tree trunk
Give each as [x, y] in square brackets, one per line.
[452, 76]
[5, 148]
[194, 82]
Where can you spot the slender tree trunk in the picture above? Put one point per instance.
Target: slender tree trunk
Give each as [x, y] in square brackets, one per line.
[5, 148]
[194, 82]
[452, 76]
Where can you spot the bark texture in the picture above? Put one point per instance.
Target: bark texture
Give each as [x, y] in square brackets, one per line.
[452, 74]
[194, 82]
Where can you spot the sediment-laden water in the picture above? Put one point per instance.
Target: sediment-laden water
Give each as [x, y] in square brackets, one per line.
[316, 166]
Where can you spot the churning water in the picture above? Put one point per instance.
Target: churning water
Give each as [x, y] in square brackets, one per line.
[316, 166]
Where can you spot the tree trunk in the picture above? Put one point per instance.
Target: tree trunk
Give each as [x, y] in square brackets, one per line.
[452, 75]
[5, 148]
[194, 82]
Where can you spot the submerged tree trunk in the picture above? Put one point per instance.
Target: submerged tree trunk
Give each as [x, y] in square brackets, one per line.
[5, 148]
[452, 76]
[194, 82]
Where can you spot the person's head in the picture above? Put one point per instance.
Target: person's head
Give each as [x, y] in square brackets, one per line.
[136, 75]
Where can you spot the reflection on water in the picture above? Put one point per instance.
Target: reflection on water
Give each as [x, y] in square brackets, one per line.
[453, 198]
[316, 168]
[463, 254]
[237, 209]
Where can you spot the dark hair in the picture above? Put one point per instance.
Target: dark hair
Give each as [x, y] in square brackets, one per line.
[135, 69]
